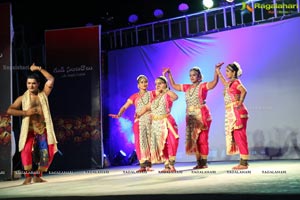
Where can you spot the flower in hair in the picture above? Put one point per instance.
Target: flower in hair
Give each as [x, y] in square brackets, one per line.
[240, 71]
[165, 79]
[197, 68]
[141, 76]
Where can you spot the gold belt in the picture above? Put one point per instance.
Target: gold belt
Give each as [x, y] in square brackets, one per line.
[193, 108]
[228, 105]
[159, 117]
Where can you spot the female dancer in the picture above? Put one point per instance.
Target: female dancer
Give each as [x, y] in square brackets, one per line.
[164, 131]
[236, 114]
[141, 127]
[198, 118]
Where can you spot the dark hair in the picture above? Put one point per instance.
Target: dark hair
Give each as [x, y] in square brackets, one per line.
[162, 79]
[34, 76]
[141, 77]
[234, 68]
[197, 70]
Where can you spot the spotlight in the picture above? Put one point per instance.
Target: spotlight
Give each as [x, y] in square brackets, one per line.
[133, 18]
[208, 3]
[132, 158]
[230, 1]
[120, 159]
[158, 13]
[106, 161]
[183, 7]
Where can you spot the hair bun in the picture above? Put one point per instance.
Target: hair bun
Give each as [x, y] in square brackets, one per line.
[240, 71]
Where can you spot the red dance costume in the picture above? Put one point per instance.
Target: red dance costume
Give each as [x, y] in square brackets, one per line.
[164, 131]
[235, 121]
[198, 119]
[141, 128]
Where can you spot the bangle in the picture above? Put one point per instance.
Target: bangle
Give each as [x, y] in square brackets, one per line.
[40, 68]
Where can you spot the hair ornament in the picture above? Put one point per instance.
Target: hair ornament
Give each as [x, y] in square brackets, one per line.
[240, 71]
[141, 76]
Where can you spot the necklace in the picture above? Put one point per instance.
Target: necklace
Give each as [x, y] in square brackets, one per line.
[191, 93]
[158, 100]
[142, 95]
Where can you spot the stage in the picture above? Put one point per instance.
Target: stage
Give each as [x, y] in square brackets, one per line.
[268, 179]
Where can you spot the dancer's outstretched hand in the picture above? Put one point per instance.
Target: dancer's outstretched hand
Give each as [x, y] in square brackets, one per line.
[114, 116]
[219, 65]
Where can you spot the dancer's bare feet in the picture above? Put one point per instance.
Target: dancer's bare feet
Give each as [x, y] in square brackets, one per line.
[165, 170]
[38, 180]
[200, 167]
[142, 169]
[172, 168]
[27, 181]
[240, 167]
[149, 169]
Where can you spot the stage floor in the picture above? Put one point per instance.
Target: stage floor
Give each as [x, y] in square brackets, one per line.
[272, 179]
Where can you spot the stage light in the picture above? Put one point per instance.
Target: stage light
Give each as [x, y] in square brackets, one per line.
[133, 18]
[106, 161]
[132, 158]
[120, 159]
[230, 1]
[183, 7]
[208, 3]
[158, 13]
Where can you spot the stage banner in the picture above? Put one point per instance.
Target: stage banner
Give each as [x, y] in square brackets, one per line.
[73, 57]
[5, 92]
